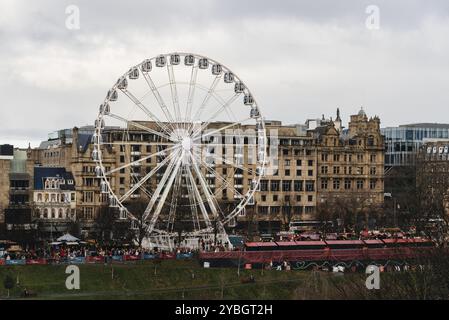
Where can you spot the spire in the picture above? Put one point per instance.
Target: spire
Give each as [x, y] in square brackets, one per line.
[338, 115]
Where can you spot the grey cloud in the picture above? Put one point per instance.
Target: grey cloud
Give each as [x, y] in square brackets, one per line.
[300, 58]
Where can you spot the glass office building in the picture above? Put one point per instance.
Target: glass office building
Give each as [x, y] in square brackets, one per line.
[403, 143]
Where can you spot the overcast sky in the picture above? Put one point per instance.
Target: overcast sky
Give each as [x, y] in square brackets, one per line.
[300, 58]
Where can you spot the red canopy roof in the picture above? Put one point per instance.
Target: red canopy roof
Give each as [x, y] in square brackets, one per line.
[260, 244]
[310, 243]
[373, 241]
[397, 240]
[344, 242]
[286, 243]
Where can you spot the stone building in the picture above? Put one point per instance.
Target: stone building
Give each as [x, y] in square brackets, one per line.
[15, 193]
[308, 164]
[350, 162]
[54, 201]
[6, 156]
[72, 150]
[432, 179]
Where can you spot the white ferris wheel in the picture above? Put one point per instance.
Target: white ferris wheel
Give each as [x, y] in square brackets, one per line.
[192, 145]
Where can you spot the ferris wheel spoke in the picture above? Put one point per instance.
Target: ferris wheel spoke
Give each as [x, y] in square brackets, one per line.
[250, 172]
[167, 188]
[159, 99]
[174, 202]
[130, 143]
[162, 152]
[219, 111]
[144, 179]
[142, 107]
[191, 96]
[193, 205]
[199, 200]
[210, 133]
[210, 92]
[204, 187]
[226, 183]
[160, 185]
[174, 93]
[140, 126]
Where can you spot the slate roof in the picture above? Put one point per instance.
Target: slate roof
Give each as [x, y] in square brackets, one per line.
[42, 173]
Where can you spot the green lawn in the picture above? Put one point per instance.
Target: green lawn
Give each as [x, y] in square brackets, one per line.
[172, 280]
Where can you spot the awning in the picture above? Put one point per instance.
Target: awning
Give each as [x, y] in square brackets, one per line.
[68, 238]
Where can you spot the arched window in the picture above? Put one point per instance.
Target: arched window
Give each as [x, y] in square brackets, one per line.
[39, 197]
[53, 213]
[45, 213]
[371, 141]
[61, 214]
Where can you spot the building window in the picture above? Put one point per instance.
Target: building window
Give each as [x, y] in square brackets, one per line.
[310, 186]
[348, 184]
[263, 185]
[297, 209]
[275, 198]
[372, 184]
[360, 184]
[324, 170]
[274, 210]
[309, 209]
[324, 183]
[287, 172]
[372, 170]
[310, 163]
[89, 213]
[286, 162]
[324, 157]
[298, 185]
[264, 198]
[263, 210]
[274, 185]
[336, 184]
[298, 163]
[298, 198]
[310, 198]
[336, 170]
[310, 173]
[286, 185]
[88, 196]
[299, 173]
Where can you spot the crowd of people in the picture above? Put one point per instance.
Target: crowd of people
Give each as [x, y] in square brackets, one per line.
[67, 252]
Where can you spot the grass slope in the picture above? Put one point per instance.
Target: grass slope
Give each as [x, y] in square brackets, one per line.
[169, 280]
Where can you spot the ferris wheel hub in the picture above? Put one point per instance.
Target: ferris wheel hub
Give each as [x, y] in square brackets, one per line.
[187, 143]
